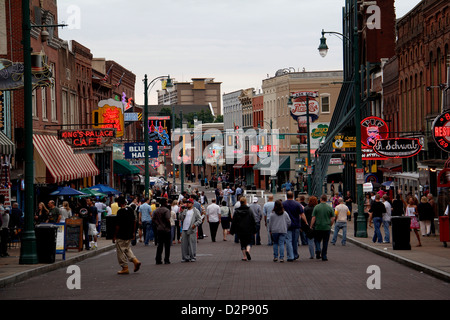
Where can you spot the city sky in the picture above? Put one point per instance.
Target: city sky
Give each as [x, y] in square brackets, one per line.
[238, 43]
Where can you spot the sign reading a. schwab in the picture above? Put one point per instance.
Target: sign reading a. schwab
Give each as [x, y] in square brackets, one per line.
[136, 150]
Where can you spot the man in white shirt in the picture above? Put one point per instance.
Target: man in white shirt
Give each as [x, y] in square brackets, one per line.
[190, 219]
[213, 218]
[387, 218]
[341, 211]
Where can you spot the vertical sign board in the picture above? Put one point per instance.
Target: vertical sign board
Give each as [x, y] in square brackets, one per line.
[60, 239]
[74, 233]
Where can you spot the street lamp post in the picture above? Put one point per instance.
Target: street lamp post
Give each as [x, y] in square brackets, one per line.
[146, 133]
[28, 250]
[323, 49]
[308, 142]
[272, 178]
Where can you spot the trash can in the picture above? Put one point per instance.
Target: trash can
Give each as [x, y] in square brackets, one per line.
[401, 231]
[46, 242]
[444, 229]
[111, 222]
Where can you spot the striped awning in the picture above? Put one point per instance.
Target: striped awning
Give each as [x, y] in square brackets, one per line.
[6, 145]
[62, 164]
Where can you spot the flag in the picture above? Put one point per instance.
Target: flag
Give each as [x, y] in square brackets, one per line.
[120, 80]
[105, 78]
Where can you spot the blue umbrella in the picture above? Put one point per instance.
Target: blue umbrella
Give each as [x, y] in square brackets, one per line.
[105, 189]
[66, 191]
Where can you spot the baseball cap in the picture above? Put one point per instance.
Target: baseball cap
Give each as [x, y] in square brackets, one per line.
[190, 200]
[255, 199]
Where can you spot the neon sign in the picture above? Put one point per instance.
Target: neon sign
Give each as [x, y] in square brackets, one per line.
[397, 147]
[159, 130]
[441, 131]
[86, 137]
[109, 115]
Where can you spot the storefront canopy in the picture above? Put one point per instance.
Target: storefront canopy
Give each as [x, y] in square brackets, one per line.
[61, 164]
[284, 164]
[124, 167]
[6, 145]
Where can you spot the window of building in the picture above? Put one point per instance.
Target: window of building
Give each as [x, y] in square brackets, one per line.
[325, 103]
[53, 96]
[44, 103]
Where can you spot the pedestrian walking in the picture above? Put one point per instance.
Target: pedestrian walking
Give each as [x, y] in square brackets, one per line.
[190, 219]
[244, 226]
[296, 214]
[83, 213]
[322, 220]
[161, 219]
[411, 211]
[376, 216]
[341, 211]
[225, 219]
[349, 202]
[145, 221]
[398, 206]
[124, 233]
[426, 215]
[257, 212]
[267, 210]
[312, 202]
[213, 216]
[177, 234]
[93, 220]
[279, 222]
[4, 232]
[387, 218]
[435, 213]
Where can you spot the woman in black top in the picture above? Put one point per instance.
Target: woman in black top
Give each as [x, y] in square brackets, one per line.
[426, 216]
[244, 226]
[398, 206]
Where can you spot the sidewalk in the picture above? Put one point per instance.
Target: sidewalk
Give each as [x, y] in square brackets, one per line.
[12, 272]
[432, 258]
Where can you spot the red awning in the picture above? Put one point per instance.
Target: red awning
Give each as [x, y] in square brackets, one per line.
[61, 162]
[247, 161]
[151, 170]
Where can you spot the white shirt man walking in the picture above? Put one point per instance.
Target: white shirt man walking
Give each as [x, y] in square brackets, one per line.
[341, 211]
[213, 218]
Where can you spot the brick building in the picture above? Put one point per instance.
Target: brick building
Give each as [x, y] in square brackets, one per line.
[422, 53]
[66, 103]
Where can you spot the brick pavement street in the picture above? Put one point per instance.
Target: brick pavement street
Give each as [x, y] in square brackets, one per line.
[220, 275]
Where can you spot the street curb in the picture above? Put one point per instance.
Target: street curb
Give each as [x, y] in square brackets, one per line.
[51, 267]
[412, 264]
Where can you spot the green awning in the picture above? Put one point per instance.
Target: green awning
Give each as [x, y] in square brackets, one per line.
[284, 164]
[124, 167]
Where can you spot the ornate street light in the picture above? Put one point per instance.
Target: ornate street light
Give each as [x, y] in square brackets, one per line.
[323, 49]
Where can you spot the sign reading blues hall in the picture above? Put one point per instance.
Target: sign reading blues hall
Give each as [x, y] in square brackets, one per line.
[136, 150]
